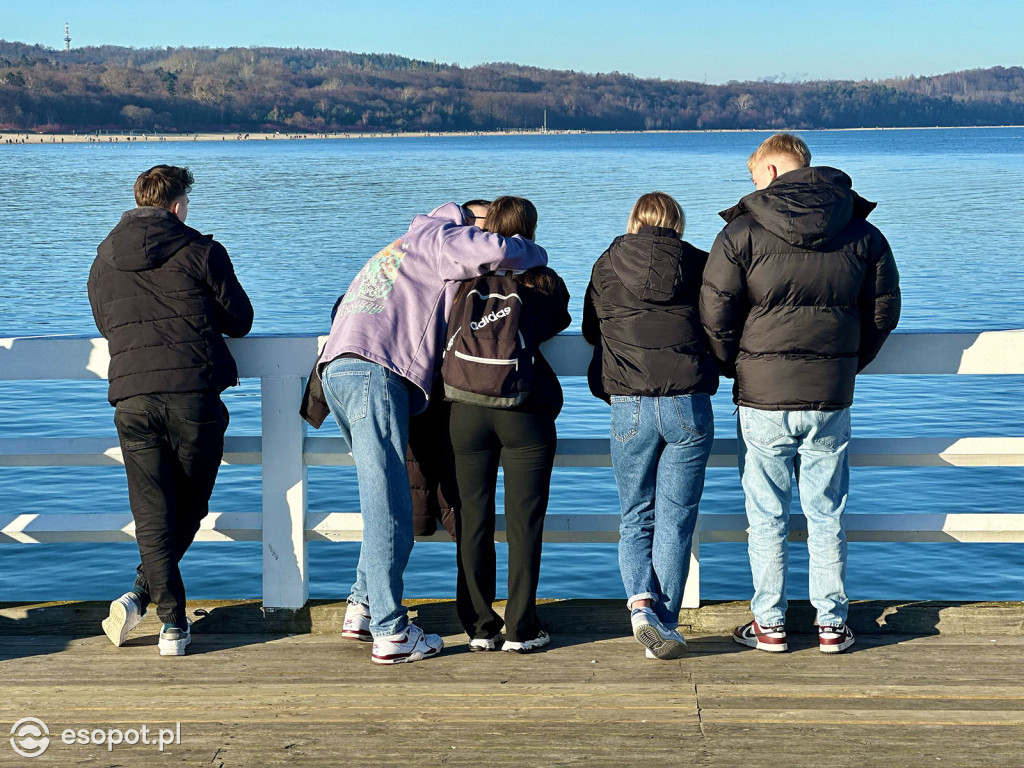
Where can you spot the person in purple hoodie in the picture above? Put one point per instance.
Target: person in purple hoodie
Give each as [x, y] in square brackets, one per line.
[377, 369]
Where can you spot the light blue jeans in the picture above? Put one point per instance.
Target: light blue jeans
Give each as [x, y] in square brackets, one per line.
[775, 445]
[660, 448]
[371, 405]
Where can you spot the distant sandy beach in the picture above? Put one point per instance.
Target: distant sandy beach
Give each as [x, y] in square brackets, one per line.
[8, 138]
[11, 137]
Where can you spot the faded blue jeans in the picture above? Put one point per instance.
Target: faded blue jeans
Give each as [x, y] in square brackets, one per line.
[775, 445]
[371, 405]
[660, 448]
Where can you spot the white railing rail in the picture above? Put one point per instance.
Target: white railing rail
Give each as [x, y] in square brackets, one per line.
[284, 450]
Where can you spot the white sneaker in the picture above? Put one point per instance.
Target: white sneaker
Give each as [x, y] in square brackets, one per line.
[357, 623]
[173, 641]
[664, 643]
[483, 644]
[412, 644]
[525, 646]
[125, 614]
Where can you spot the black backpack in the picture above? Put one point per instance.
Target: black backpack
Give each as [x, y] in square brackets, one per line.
[489, 355]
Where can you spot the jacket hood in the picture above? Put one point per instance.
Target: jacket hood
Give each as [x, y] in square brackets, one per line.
[647, 263]
[145, 238]
[806, 207]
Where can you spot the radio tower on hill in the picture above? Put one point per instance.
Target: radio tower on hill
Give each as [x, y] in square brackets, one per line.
[67, 37]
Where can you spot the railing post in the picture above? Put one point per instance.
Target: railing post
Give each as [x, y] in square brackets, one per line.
[285, 561]
[691, 591]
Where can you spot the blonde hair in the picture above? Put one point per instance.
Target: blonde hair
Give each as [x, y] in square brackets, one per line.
[656, 209]
[785, 144]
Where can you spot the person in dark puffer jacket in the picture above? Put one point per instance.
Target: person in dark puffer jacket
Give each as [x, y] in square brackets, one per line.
[652, 362]
[800, 292]
[162, 294]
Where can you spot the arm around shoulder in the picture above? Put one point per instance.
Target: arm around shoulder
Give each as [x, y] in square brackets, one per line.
[468, 251]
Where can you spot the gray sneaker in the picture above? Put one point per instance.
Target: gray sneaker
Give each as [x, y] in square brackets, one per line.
[125, 614]
[662, 642]
[173, 641]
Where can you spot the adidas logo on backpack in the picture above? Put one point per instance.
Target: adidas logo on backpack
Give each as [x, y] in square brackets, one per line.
[488, 358]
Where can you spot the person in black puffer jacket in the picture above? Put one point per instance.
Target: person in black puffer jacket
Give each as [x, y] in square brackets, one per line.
[800, 292]
[162, 294]
[653, 364]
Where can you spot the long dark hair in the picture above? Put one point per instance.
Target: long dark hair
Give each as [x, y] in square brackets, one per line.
[510, 216]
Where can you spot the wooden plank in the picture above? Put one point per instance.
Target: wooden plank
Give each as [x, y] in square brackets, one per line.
[308, 700]
[877, 622]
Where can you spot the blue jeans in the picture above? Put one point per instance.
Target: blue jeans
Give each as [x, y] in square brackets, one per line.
[775, 445]
[371, 405]
[660, 448]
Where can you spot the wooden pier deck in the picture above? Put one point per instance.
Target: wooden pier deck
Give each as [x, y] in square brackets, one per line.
[590, 699]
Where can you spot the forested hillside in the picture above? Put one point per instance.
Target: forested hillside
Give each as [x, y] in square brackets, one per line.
[261, 89]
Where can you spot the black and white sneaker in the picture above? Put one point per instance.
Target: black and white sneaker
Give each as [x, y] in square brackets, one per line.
[525, 646]
[483, 644]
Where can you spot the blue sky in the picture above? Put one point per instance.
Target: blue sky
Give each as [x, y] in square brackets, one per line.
[684, 39]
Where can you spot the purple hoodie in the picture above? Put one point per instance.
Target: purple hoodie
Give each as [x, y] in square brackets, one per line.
[395, 312]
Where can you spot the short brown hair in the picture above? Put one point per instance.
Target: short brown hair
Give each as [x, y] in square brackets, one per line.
[161, 185]
[656, 209]
[782, 144]
[509, 216]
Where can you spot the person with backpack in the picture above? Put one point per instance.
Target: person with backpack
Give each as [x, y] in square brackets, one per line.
[505, 398]
[377, 369]
[653, 364]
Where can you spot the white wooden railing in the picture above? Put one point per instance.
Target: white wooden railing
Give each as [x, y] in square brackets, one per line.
[285, 450]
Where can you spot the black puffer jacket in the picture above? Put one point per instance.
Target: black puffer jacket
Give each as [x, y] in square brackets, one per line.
[162, 294]
[640, 313]
[800, 292]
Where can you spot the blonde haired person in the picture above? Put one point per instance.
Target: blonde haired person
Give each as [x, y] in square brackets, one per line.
[800, 292]
[653, 365]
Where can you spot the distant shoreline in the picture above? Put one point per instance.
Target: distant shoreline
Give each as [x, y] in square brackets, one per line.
[14, 138]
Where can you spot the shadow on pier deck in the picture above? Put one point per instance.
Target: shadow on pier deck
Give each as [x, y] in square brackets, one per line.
[949, 696]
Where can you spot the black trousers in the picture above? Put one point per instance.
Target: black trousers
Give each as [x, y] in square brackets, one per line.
[524, 443]
[172, 445]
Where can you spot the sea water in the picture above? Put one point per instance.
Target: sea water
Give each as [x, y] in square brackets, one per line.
[299, 217]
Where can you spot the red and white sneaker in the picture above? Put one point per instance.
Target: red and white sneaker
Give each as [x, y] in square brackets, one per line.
[834, 639]
[357, 623]
[753, 635]
[411, 644]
